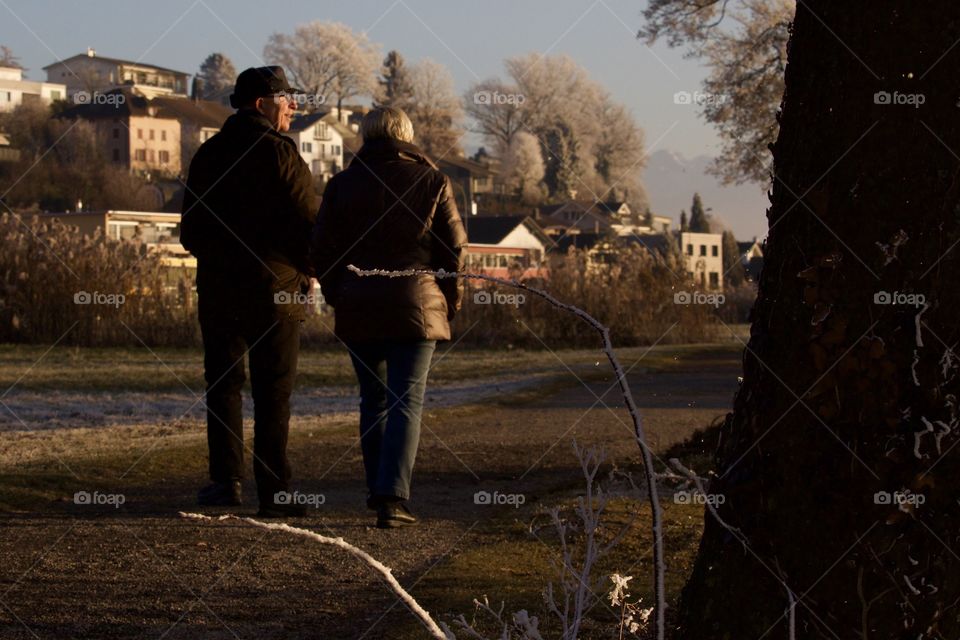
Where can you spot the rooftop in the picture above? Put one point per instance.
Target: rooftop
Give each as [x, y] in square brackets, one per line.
[493, 229]
[91, 54]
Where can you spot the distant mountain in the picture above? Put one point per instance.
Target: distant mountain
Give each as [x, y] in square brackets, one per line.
[671, 180]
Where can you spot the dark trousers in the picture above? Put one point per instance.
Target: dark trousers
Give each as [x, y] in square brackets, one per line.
[272, 346]
[393, 378]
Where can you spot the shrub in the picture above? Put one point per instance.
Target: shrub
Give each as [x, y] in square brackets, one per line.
[59, 285]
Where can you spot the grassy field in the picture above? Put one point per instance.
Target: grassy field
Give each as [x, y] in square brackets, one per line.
[32, 367]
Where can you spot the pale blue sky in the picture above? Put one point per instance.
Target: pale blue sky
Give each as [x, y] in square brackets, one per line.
[471, 38]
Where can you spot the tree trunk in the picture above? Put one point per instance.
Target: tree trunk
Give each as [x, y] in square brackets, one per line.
[838, 465]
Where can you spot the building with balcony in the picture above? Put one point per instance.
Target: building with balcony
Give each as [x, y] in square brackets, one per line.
[89, 72]
[320, 139]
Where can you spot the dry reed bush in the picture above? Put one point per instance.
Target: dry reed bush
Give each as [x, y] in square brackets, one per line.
[45, 264]
[59, 285]
[632, 293]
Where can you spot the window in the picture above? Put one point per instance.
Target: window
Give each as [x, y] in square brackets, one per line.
[54, 95]
[703, 250]
[714, 251]
[116, 134]
[714, 280]
[689, 249]
[151, 134]
[140, 155]
[139, 134]
[336, 149]
[163, 136]
[306, 147]
[320, 131]
[116, 155]
[153, 155]
[164, 157]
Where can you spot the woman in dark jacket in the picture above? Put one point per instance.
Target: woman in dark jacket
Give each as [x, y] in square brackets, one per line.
[391, 209]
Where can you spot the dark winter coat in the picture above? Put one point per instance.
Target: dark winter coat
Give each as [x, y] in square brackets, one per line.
[391, 209]
[248, 211]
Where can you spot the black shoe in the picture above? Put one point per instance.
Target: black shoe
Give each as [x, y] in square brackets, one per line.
[221, 494]
[282, 511]
[391, 515]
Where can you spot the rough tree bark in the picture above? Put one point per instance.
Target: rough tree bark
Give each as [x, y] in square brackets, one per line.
[843, 396]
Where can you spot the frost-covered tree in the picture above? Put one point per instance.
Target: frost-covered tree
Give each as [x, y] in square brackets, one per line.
[435, 109]
[523, 169]
[217, 77]
[590, 146]
[560, 105]
[619, 155]
[743, 43]
[327, 60]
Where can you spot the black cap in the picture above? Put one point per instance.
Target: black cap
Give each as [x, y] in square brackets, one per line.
[257, 82]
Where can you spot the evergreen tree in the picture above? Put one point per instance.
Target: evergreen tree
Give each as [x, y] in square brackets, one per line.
[733, 272]
[698, 217]
[395, 86]
[216, 77]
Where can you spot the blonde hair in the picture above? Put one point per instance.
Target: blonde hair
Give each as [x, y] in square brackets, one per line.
[386, 122]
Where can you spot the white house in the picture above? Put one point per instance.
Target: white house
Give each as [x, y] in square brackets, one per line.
[14, 90]
[319, 137]
[704, 255]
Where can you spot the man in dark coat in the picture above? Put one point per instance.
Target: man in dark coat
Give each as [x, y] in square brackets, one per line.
[248, 211]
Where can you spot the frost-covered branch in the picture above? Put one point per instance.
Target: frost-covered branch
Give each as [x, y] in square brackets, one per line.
[649, 471]
[521, 622]
[357, 552]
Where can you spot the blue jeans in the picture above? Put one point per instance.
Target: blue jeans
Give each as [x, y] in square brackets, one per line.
[393, 378]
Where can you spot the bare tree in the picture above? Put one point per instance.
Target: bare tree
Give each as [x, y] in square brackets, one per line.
[62, 163]
[496, 109]
[435, 109]
[743, 43]
[8, 59]
[327, 60]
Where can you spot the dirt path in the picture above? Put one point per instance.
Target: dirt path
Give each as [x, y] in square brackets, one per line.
[70, 571]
